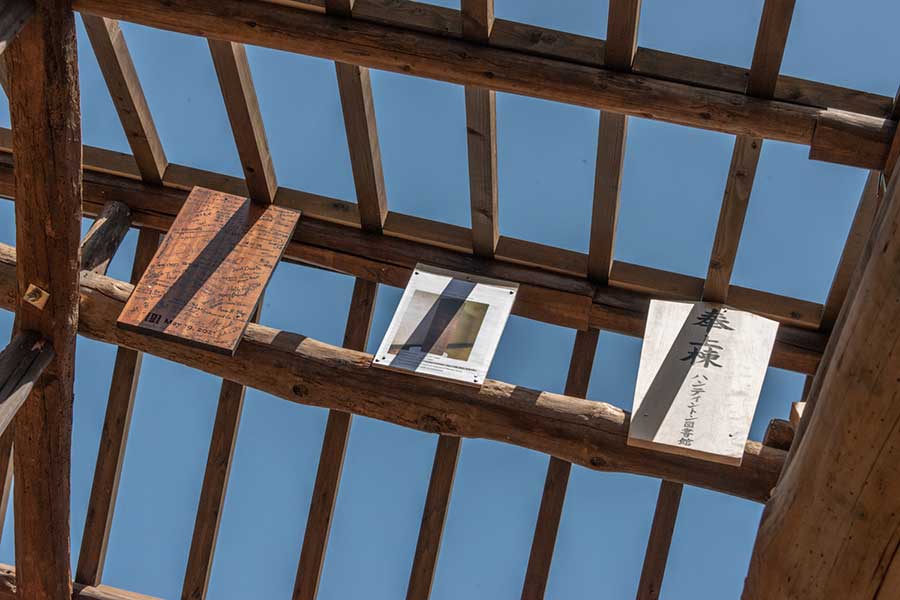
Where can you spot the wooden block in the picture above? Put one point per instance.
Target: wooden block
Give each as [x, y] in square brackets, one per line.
[210, 271]
[702, 368]
[797, 413]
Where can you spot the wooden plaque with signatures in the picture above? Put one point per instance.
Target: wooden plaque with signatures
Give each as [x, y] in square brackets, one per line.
[210, 271]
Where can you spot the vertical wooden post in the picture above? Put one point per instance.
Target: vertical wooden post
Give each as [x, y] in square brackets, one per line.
[46, 120]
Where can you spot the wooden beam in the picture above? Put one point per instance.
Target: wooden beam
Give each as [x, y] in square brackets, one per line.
[104, 237]
[621, 41]
[21, 364]
[331, 459]
[355, 87]
[557, 480]
[13, 16]
[477, 19]
[840, 494]
[6, 474]
[9, 590]
[771, 39]
[660, 540]
[553, 287]
[236, 82]
[434, 515]
[300, 369]
[779, 434]
[113, 438]
[125, 89]
[411, 52]
[46, 119]
[339, 8]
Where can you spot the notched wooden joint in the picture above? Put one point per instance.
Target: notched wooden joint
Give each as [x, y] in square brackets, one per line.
[36, 296]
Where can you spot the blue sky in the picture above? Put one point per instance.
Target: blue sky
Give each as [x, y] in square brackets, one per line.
[674, 177]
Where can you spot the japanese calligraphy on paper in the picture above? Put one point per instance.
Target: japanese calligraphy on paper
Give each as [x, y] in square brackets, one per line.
[702, 368]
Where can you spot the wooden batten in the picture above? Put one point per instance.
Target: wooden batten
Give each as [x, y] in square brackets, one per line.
[46, 118]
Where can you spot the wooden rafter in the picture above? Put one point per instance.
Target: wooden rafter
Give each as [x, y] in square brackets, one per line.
[355, 87]
[557, 480]
[551, 289]
[108, 42]
[104, 237]
[369, 44]
[300, 369]
[660, 540]
[114, 436]
[46, 118]
[331, 459]
[236, 82]
[624, 16]
[13, 15]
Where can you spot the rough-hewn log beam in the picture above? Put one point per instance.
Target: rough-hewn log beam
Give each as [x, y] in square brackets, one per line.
[8, 589]
[46, 119]
[553, 286]
[369, 44]
[13, 15]
[127, 95]
[104, 237]
[113, 438]
[331, 459]
[830, 530]
[300, 369]
[557, 480]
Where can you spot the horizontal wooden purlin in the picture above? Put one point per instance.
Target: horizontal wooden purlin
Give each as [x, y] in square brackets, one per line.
[80, 592]
[402, 50]
[291, 366]
[589, 51]
[552, 291]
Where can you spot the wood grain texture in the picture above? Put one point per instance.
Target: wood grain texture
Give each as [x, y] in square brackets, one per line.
[481, 139]
[9, 590]
[840, 493]
[339, 8]
[607, 187]
[768, 53]
[46, 119]
[477, 19]
[860, 230]
[331, 458]
[300, 369]
[553, 287]
[236, 83]
[779, 434]
[434, 515]
[209, 273]
[13, 15]
[738, 186]
[113, 439]
[660, 540]
[621, 42]
[21, 364]
[468, 63]
[355, 88]
[557, 480]
[114, 59]
[100, 243]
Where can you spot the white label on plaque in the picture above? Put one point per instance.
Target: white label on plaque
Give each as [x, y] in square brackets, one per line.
[701, 371]
[447, 325]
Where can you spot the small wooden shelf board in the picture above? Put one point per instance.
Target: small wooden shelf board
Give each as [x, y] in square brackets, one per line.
[701, 372]
[210, 270]
[447, 325]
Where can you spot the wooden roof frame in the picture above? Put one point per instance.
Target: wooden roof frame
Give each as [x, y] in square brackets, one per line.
[56, 293]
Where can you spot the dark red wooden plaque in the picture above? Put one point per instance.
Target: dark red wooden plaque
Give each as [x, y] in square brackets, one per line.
[210, 271]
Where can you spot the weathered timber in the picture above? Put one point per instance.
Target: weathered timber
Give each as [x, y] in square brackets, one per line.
[341, 8]
[13, 15]
[611, 137]
[830, 529]
[368, 44]
[209, 273]
[553, 287]
[557, 480]
[104, 237]
[242, 106]
[434, 515]
[331, 458]
[46, 119]
[303, 370]
[21, 364]
[9, 590]
[358, 106]
[108, 42]
[660, 540]
[113, 438]
[779, 434]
